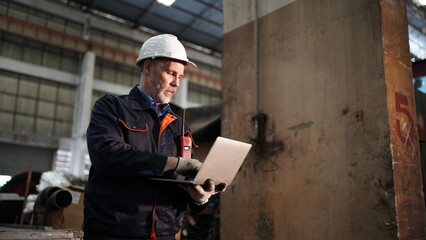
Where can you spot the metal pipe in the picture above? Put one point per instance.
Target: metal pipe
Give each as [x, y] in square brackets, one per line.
[53, 215]
[40, 204]
[49, 205]
[256, 59]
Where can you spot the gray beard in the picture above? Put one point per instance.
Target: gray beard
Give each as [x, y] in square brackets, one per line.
[159, 97]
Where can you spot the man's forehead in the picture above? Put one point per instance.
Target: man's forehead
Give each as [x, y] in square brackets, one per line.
[174, 65]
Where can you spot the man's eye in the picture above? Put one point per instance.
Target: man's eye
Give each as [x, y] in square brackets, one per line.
[174, 74]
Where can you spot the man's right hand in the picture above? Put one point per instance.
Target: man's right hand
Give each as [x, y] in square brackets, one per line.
[188, 167]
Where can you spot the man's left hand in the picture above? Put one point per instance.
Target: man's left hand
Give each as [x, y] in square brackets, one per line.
[202, 193]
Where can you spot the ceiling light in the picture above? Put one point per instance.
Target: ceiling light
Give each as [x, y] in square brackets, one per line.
[166, 2]
[421, 2]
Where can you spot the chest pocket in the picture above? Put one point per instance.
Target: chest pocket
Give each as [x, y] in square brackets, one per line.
[133, 127]
[138, 133]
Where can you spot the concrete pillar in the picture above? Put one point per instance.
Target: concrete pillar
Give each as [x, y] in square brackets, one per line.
[338, 157]
[82, 110]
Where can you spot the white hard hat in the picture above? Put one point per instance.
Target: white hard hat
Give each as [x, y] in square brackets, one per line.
[164, 45]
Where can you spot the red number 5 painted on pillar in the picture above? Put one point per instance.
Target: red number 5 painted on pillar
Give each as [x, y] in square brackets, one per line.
[400, 101]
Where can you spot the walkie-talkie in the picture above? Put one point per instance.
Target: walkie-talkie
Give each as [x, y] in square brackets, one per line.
[185, 141]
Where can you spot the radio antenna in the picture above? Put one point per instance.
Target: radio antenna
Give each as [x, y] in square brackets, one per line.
[183, 122]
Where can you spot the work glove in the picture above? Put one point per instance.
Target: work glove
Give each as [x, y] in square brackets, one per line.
[201, 193]
[188, 167]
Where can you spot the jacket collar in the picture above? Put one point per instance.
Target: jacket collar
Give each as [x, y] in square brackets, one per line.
[136, 100]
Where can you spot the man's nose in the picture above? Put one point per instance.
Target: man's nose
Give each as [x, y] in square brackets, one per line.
[175, 82]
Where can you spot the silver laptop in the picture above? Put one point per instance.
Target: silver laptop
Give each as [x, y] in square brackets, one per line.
[221, 164]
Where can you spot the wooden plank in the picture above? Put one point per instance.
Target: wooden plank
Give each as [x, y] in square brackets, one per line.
[409, 202]
[8, 233]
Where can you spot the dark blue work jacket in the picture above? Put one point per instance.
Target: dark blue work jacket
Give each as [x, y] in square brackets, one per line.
[127, 142]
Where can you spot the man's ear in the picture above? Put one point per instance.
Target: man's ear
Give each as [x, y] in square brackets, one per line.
[147, 66]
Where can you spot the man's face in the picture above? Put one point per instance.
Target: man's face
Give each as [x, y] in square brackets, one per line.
[161, 79]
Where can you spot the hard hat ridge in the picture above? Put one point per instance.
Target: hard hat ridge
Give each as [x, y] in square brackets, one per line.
[163, 45]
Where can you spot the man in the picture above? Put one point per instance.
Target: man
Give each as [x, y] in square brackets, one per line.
[134, 137]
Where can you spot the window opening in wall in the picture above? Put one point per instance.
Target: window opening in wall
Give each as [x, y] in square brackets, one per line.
[4, 7]
[116, 73]
[203, 95]
[31, 51]
[34, 106]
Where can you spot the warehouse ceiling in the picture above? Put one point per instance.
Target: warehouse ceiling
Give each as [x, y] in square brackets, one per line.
[195, 21]
[416, 15]
[200, 21]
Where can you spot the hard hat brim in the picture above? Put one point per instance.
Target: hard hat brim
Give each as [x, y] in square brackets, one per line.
[189, 64]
